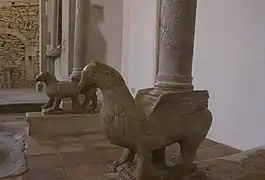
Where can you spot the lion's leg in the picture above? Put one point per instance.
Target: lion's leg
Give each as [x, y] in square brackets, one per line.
[86, 101]
[127, 157]
[143, 167]
[49, 104]
[75, 101]
[56, 104]
[190, 144]
[188, 149]
[95, 100]
[159, 159]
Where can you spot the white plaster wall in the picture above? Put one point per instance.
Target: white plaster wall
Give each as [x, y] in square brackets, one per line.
[112, 30]
[229, 62]
[139, 43]
[108, 47]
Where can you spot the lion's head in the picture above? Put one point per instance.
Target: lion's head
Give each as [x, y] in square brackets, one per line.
[45, 77]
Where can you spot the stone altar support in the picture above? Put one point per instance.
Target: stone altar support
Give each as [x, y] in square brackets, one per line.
[140, 125]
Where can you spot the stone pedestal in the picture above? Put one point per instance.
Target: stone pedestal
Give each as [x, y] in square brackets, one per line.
[48, 126]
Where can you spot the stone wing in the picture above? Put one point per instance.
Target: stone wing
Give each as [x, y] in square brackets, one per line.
[179, 103]
[141, 93]
[145, 100]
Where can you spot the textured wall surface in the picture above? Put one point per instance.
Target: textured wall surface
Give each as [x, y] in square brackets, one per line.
[16, 2]
[19, 42]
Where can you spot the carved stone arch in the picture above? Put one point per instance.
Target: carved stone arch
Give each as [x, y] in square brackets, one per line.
[19, 35]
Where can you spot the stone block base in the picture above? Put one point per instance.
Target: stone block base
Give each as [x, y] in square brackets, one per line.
[48, 126]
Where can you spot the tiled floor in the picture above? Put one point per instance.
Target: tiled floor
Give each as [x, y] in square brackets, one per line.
[86, 157]
[71, 158]
[89, 157]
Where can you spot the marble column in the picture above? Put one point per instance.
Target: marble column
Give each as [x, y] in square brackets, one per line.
[53, 32]
[68, 28]
[65, 50]
[174, 71]
[81, 36]
[67, 56]
[43, 38]
[177, 26]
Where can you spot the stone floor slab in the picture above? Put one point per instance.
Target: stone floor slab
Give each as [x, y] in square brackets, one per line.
[44, 161]
[85, 170]
[39, 149]
[45, 174]
[12, 156]
[71, 147]
[77, 158]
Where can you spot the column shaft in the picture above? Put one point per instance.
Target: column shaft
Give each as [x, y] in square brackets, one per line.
[177, 26]
[71, 40]
[81, 35]
[54, 32]
[43, 38]
[54, 24]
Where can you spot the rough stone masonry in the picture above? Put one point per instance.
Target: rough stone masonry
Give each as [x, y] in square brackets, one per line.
[19, 41]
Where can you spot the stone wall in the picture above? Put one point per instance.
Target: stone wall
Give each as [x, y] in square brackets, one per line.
[19, 41]
[16, 2]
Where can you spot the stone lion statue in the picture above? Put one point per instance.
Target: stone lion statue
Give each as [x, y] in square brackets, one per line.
[57, 90]
[145, 126]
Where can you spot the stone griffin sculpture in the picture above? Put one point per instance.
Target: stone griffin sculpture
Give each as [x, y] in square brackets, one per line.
[144, 126]
[57, 90]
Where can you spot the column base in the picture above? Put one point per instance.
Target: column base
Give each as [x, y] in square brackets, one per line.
[76, 73]
[172, 83]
